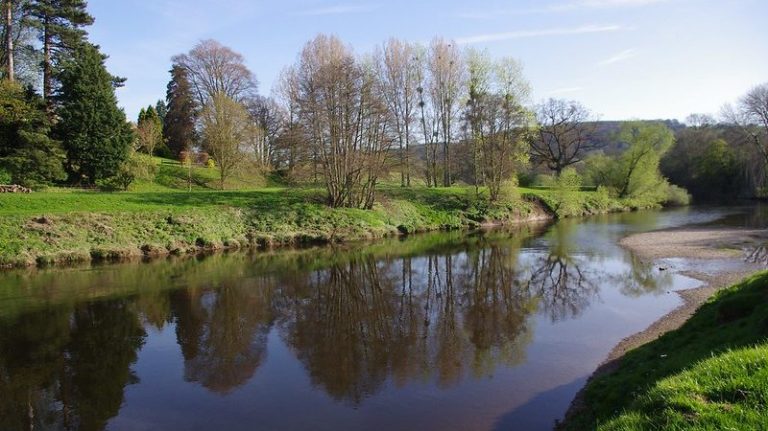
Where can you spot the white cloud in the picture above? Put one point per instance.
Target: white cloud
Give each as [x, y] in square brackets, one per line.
[495, 37]
[619, 57]
[338, 10]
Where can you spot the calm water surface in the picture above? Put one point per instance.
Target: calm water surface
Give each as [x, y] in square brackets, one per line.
[453, 331]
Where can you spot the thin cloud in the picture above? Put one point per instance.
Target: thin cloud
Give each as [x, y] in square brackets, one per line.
[561, 7]
[619, 57]
[338, 10]
[496, 37]
[565, 90]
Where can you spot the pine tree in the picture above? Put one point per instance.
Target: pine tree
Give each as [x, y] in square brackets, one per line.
[60, 23]
[26, 151]
[93, 128]
[161, 109]
[179, 124]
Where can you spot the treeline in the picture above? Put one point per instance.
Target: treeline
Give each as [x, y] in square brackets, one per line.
[71, 131]
[434, 115]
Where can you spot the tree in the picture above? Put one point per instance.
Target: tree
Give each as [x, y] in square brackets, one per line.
[497, 120]
[345, 120]
[637, 170]
[269, 117]
[162, 110]
[94, 130]
[751, 116]
[26, 151]
[8, 39]
[179, 123]
[399, 70]
[445, 67]
[563, 137]
[149, 131]
[213, 69]
[60, 23]
[226, 128]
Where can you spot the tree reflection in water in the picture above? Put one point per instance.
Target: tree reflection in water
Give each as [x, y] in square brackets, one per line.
[442, 312]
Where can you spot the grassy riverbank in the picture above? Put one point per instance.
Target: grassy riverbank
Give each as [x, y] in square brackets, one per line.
[160, 216]
[710, 374]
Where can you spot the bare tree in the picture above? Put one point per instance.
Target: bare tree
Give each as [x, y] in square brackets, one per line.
[226, 129]
[213, 68]
[269, 117]
[445, 65]
[563, 138]
[399, 69]
[344, 118]
[149, 134]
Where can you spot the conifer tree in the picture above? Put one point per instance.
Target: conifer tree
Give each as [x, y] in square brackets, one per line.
[179, 123]
[93, 128]
[60, 23]
[27, 153]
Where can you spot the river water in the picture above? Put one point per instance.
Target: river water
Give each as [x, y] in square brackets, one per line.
[493, 330]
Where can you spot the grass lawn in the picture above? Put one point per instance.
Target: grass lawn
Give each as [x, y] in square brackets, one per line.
[711, 374]
[161, 215]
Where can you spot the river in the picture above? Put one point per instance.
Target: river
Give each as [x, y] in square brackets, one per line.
[490, 330]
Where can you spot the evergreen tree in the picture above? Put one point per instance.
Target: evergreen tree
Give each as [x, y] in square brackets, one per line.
[179, 124]
[26, 152]
[93, 128]
[60, 24]
[161, 109]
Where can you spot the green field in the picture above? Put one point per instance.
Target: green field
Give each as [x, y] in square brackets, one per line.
[711, 374]
[161, 215]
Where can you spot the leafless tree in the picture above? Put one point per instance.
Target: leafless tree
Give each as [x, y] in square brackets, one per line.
[344, 118]
[563, 138]
[213, 68]
[269, 117]
[446, 82]
[399, 70]
[227, 128]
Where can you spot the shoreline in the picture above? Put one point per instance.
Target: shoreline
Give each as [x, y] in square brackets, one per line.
[683, 242]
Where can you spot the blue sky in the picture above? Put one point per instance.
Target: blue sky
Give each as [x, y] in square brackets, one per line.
[623, 59]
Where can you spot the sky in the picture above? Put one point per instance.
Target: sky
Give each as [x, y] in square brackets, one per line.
[622, 59]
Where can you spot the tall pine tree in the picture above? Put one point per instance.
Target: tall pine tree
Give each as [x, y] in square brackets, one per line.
[179, 124]
[94, 130]
[60, 23]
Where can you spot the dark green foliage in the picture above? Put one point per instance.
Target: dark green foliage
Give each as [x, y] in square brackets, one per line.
[705, 163]
[27, 153]
[162, 110]
[94, 130]
[179, 124]
[60, 25]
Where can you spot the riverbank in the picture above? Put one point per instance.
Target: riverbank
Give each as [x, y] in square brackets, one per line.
[54, 228]
[713, 331]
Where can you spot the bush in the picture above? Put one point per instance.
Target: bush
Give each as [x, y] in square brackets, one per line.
[210, 164]
[677, 196]
[567, 187]
[5, 177]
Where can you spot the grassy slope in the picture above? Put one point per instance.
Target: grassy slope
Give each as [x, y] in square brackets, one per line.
[711, 374]
[161, 216]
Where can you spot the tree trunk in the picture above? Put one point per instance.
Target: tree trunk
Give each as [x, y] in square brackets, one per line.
[47, 68]
[9, 39]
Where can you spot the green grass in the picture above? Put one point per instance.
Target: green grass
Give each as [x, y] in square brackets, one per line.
[160, 215]
[711, 374]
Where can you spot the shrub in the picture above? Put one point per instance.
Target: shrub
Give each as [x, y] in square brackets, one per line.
[210, 164]
[677, 196]
[5, 177]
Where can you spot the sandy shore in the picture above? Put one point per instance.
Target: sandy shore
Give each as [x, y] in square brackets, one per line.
[690, 243]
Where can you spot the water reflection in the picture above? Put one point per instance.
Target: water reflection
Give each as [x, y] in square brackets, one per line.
[439, 309]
